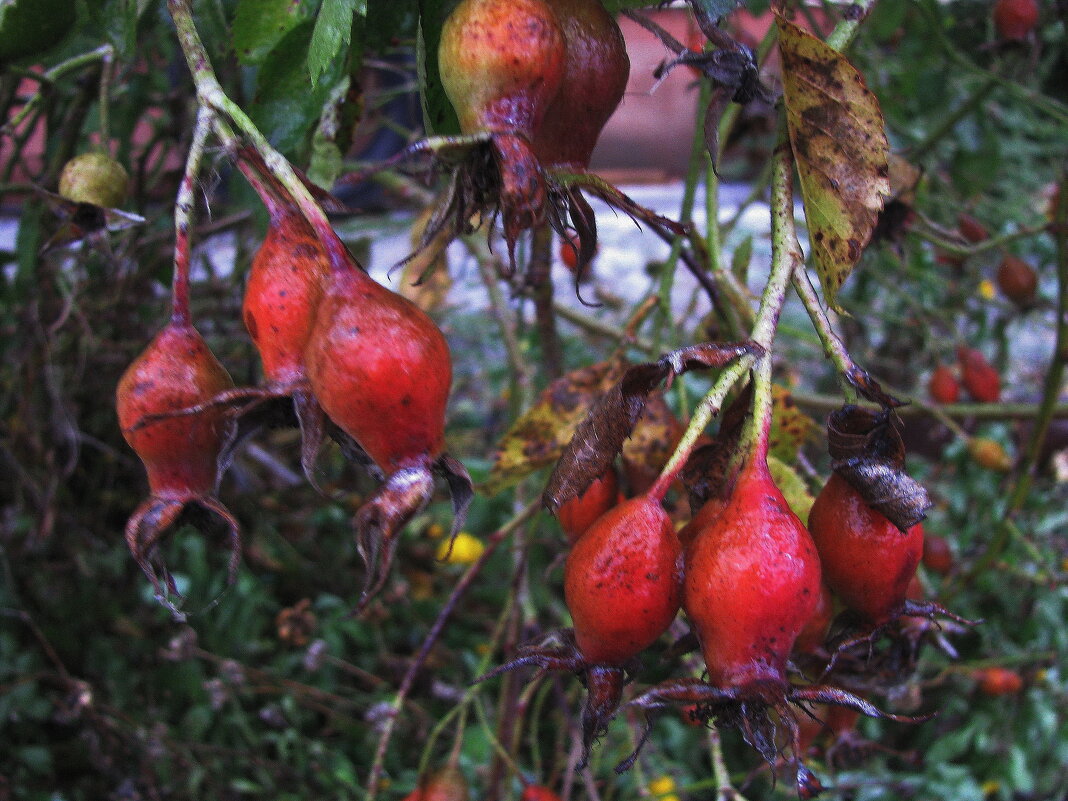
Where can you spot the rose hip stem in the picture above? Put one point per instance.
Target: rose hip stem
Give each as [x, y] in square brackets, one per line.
[785, 255]
[184, 206]
[210, 93]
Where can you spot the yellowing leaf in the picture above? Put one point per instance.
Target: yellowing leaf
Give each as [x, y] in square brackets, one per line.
[839, 143]
[793, 488]
[538, 437]
[790, 427]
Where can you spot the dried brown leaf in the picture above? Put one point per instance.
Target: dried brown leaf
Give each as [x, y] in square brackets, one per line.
[867, 451]
[600, 437]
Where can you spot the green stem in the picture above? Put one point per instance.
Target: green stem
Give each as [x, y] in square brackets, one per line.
[519, 369]
[107, 65]
[785, 255]
[1050, 396]
[916, 408]
[601, 328]
[833, 347]
[184, 205]
[210, 93]
[845, 30]
[689, 197]
[102, 53]
[461, 588]
[785, 258]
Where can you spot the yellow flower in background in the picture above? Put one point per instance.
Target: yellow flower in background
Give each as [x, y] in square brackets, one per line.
[986, 289]
[663, 789]
[465, 549]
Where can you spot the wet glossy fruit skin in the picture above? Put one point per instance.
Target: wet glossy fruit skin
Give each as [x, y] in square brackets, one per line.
[998, 681]
[502, 62]
[1017, 280]
[943, 386]
[622, 581]
[596, 71]
[1015, 19]
[814, 634]
[176, 370]
[978, 376]
[579, 513]
[867, 561]
[285, 285]
[95, 178]
[569, 251]
[380, 369]
[752, 583]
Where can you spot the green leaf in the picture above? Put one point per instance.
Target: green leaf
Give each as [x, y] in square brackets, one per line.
[439, 117]
[333, 32]
[286, 105]
[792, 486]
[839, 142]
[260, 25]
[326, 158]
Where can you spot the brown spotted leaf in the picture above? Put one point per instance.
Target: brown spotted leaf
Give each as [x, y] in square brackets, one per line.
[867, 451]
[538, 437]
[651, 443]
[839, 142]
[790, 427]
[601, 435]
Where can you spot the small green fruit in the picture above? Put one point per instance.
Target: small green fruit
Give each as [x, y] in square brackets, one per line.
[94, 178]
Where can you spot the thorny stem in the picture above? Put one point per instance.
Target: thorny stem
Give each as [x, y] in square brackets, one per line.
[706, 410]
[431, 638]
[210, 93]
[785, 258]
[184, 205]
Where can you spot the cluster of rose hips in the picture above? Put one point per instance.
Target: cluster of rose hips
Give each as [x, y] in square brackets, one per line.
[758, 586]
[341, 355]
